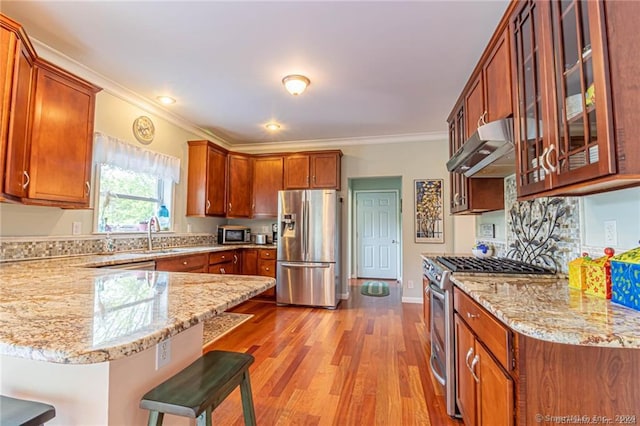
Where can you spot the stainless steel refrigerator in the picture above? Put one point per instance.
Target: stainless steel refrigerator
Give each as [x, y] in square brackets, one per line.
[308, 271]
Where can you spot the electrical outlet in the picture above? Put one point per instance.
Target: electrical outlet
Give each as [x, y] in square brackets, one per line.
[610, 233]
[410, 284]
[76, 228]
[163, 353]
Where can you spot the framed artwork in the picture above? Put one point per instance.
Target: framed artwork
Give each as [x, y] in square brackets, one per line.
[429, 211]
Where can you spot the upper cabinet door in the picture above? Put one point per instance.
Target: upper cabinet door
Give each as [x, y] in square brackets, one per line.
[325, 170]
[474, 109]
[239, 186]
[61, 138]
[267, 181]
[216, 170]
[296, 171]
[531, 146]
[582, 142]
[497, 80]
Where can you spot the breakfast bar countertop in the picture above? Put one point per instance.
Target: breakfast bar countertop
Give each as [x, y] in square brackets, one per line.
[60, 311]
[547, 309]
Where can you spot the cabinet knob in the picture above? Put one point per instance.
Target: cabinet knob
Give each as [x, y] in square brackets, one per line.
[223, 257]
[266, 269]
[185, 263]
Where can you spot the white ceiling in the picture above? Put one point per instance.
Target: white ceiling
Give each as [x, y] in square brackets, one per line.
[376, 68]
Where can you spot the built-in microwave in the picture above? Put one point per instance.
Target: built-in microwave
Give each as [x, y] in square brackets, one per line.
[233, 234]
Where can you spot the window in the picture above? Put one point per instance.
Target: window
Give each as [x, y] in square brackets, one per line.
[131, 185]
[127, 199]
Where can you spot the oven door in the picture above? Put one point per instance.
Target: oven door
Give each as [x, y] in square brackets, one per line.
[438, 333]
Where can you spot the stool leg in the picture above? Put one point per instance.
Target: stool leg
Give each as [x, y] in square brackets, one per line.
[206, 418]
[155, 418]
[247, 400]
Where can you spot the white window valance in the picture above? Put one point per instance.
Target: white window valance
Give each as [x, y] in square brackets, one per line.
[117, 152]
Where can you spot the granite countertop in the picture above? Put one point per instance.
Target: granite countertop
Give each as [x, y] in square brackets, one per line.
[64, 311]
[547, 309]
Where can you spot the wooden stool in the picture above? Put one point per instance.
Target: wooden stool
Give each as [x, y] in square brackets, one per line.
[201, 387]
[21, 412]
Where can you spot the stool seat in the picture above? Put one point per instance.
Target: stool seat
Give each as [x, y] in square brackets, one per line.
[202, 386]
[14, 411]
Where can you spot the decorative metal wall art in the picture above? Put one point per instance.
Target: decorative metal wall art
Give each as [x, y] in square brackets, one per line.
[429, 222]
[536, 225]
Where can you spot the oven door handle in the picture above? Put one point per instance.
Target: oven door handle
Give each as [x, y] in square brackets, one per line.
[436, 292]
[438, 377]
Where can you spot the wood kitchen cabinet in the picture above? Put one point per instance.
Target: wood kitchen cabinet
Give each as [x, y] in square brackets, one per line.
[268, 174]
[260, 262]
[55, 169]
[484, 388]
[206, 179]
[488, 98]
[470, 195]
[239, 185]
[312, 170]
[17, 56]
[195, 263]
[574, 101]
[225, 262]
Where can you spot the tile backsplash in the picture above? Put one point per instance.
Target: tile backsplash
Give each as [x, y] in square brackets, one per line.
[22, 248]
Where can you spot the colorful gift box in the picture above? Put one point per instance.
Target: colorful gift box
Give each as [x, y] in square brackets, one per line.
[598, 275]
[625, 278]
[577, 276]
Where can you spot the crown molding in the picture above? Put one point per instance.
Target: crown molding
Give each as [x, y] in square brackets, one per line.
[312, 144]
[127, 95]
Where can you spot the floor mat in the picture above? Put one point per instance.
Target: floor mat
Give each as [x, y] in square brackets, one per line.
[375, 288]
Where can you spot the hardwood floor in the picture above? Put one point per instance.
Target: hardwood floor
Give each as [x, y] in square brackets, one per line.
[363, 364]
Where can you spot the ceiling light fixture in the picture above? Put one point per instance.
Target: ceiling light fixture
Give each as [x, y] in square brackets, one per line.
[167, 100]
[272, 126]
[296, 83]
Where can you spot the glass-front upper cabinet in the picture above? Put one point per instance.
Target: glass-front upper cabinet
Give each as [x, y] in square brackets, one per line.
[529, 108]
[563, 123]
[582, 140]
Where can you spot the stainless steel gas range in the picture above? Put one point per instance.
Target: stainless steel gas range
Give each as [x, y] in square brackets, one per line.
[438, 271]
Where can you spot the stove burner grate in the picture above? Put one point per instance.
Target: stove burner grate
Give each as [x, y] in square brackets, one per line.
[497, 265]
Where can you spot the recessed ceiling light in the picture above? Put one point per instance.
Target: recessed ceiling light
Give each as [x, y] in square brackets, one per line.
[272, 126]
[167, 100]
[295, 83]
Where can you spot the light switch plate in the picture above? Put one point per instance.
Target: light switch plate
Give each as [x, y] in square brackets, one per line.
[76, 228]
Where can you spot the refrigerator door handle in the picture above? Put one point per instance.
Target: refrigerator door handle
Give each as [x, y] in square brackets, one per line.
[306, 229]
[305, 265]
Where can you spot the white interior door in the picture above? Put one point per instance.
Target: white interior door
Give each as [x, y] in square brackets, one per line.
[377, 234]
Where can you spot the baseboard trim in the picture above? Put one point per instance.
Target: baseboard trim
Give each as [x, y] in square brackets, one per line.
[412, 300]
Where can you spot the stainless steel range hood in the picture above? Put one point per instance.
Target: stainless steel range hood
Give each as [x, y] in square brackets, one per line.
[488, 153]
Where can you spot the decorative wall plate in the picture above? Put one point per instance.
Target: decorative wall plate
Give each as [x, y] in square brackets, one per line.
[143, 130]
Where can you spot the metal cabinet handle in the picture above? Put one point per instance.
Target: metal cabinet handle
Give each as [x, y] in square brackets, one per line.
[469, 353]
[542, 159]
[235, 258]
[481, 120]
[552, 148]
[88, 185]
[456, 199]
[471, 316]
[208, 205]
[476, 360]
[222, 271]
[27, 180]
[229, 206]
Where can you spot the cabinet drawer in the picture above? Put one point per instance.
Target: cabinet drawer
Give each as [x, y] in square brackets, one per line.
[267, 268]
[267, 254]
[192, 263]
[221, 268]
[221, 257]
[489, 330]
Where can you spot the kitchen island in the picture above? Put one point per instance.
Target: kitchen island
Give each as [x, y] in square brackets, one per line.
[573, 358]
[86, 340]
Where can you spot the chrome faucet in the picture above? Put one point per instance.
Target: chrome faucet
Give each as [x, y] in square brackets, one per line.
[152, 225]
